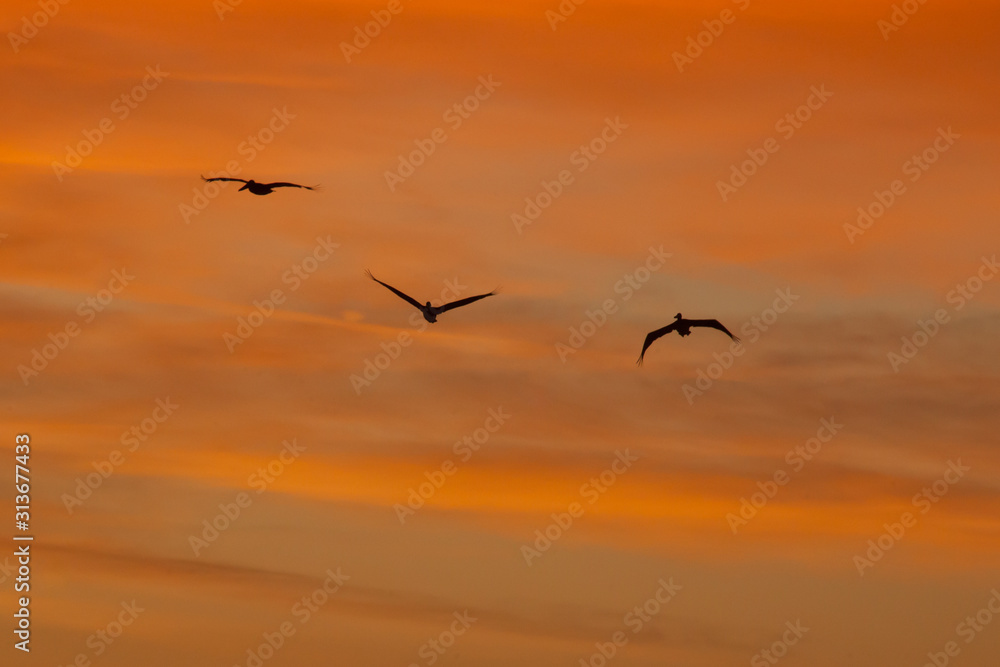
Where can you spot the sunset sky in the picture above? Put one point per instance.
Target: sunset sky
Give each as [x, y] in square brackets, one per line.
[820, 177]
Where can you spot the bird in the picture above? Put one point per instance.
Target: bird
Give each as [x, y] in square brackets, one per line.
[430, 312]
[260, 188]
[683, 327]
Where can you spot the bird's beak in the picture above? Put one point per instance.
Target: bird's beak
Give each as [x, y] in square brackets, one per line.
[245, 186]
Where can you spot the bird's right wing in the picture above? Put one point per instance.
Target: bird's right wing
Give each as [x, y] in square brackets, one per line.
[464, 302]
[404, 297]
[209, 180]
[653, 336]
[714, 324]
[288, 185]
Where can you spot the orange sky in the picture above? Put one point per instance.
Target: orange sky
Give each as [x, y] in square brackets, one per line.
[192, 267]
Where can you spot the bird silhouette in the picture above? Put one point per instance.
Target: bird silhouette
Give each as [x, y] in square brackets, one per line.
[260, 188]
[430, 312]
[683, 327]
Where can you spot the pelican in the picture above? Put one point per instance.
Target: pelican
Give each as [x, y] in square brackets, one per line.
[259, 188]
[430, 312]
[683, 327]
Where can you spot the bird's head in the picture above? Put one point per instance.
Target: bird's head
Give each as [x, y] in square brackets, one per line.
[427, 305]
[246, 185]
[677, 316]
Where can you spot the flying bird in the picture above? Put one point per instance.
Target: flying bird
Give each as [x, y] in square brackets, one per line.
[683, 327]
[430, 312]
[260, 188]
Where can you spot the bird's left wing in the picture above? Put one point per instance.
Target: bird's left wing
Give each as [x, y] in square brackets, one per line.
[653, 336]
[714, 324]
[209, 180]
[401, 295]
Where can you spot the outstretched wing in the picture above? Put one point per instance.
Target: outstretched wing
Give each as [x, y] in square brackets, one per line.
[288, 185]
[209, 180]
[395, 291]
[714, 324]
[653, 336]
[464, 302]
